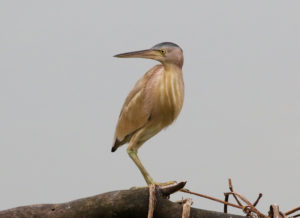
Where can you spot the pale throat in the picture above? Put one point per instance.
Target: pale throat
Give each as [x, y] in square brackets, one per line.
[172, 67]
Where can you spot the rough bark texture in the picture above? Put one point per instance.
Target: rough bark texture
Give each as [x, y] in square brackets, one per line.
[116, 204]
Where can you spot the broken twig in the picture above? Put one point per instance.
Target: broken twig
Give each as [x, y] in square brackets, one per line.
[152, 200]
[186, 210]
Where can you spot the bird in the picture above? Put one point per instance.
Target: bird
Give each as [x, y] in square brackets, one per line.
[154, 102]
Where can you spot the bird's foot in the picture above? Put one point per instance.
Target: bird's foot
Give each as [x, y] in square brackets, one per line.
[155, 183]
[164, 183]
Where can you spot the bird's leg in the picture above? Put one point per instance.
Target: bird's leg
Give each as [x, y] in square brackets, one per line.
[133, 155]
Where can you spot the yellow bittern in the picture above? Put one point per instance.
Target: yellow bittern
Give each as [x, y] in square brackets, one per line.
[154, 102]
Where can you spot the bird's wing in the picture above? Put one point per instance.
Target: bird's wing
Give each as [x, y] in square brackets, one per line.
[134, 113]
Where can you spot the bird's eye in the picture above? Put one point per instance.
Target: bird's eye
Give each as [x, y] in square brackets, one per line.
[163, 51]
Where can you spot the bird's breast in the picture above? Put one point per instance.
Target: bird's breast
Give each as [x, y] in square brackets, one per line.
[169, 96]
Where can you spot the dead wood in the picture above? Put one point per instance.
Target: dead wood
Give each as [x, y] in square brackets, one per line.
[132, 203]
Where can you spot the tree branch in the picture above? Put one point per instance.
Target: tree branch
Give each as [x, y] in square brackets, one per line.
[125, 203]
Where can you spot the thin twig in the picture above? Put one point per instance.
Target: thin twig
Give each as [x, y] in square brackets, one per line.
[226, 200]
[152, 200]
[211, 198]
[251, 207]
[257, 200]
[246, 208]
[292, 211]
[231, 189]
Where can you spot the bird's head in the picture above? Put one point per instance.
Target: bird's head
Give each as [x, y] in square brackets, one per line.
[167, 53]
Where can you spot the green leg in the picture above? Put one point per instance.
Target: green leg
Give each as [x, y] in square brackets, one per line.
[147, 177]
[135, 158]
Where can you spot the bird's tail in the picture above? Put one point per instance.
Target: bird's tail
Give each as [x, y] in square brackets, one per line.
[116, 145]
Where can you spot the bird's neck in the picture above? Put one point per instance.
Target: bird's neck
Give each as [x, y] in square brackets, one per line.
[170, 90]
[172, 67]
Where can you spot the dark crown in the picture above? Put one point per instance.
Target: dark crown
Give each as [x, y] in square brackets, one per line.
[166, 44]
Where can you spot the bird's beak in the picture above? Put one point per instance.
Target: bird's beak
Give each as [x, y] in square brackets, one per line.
[149, 53]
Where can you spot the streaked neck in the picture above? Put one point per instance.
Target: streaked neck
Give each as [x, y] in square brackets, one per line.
[172, 67]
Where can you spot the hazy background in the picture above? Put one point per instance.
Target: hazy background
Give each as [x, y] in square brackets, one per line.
[61, 92]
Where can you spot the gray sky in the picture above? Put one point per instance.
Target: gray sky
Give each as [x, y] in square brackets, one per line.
[61, 92]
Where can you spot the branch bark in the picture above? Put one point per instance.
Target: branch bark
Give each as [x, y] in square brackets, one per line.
[123, 203]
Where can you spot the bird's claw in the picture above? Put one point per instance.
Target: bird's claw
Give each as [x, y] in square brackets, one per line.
[155, 183]
[163, 183]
